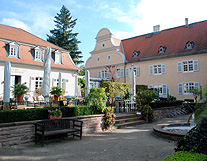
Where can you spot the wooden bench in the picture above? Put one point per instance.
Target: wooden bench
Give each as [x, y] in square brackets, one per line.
[57, 126]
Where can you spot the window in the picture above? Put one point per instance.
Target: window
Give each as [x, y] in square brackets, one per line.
[162, 88]
[109, 57]
[189, 45]
[186, 87]
[58, 58]
[98, 59]
[157, 69]
[136, 70]
[104, 74]
[38, 82]
[136, 53]
[120, 72]
[188, 66]
[37, 53]
[103, 45]
[162, 49]
[12, 50]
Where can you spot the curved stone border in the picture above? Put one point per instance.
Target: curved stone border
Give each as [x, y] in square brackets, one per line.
[158, 131]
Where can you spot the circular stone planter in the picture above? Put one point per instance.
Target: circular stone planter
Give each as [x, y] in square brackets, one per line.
[165, 132]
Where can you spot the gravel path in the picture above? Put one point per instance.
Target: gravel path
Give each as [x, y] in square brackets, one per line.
[128, 144]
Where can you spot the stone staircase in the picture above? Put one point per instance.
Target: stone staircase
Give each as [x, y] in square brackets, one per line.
[125, 120]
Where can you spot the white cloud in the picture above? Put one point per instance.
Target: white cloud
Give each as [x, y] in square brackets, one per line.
[122, 35]
[16, 23]
[168, 14]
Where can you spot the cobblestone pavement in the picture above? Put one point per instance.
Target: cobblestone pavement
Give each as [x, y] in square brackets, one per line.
[128, 144]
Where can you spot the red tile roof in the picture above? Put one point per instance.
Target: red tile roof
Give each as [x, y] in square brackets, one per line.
[19, 35]
[173, 39]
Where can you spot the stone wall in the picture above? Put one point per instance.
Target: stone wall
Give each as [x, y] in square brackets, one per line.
[163, 112]
[23, 132]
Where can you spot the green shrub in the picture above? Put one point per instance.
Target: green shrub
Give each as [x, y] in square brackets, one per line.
[97, 99]
[113, 89]
[144, 97]
[201, 112]
[40, 114]
[186, 156]
[195, 140]
[158, 104]
[146, 113]
[141, 87]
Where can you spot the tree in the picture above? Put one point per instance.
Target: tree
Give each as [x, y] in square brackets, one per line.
[63, 37]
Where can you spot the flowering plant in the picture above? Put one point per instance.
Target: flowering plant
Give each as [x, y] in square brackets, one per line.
[110, 117]
[56, 112]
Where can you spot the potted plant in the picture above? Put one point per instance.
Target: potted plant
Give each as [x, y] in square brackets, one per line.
[55, 114]
[57, 92]
[19, 91]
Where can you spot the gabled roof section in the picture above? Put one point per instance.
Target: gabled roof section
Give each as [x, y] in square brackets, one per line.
[173, 39]
[25, 38]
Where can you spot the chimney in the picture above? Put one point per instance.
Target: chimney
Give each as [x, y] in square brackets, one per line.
[156, 28]
[186, 22]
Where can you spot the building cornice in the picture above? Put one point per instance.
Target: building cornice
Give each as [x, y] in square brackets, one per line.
[103, 66]
[104, 50]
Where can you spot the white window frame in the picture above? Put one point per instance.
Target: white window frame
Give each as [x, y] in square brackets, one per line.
[185, 87]
[38, 82]
[58, 57]
[13, 50]
[119, 72]
[104, 74]
[38, 54]
[162, 88]
[188, 66]
[157, 69]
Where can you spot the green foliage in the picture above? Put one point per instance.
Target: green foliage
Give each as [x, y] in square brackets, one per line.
[81, 82]
[97, 99]
[82, 71]
[114, 88]
[110, 117]
[195, 140]
[42, 113]
[56, 91]
[144, 97]
[56, 112]
[141, 87]
[158, 104]
[204, 93]
[146, 113]
[20, 89]
[186, 156]
[201, 112]
[62, 35]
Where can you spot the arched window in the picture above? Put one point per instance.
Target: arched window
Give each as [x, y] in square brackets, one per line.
[189, 45]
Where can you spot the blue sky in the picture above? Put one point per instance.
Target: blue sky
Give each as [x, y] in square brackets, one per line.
[125, 18]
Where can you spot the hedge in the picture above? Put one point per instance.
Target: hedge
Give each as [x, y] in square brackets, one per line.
[165, 104]
[186, 156]
[40, 114]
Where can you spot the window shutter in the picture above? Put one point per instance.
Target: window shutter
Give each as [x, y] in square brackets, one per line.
[197, 85]
[32, 84]
[151, 70]
[42, 57]
[179, 67]
[64, 84]
[163, 68]
[117, 73]
[61, 60]
[32, 53]
[108, 74]
[180, 88]
[164, 86]
[196, 65]
[99, 74]
[127, 72]
[7, 49]
[137, 71]
[18, 52]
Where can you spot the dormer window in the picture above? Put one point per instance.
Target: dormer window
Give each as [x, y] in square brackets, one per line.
[162, 49]
[12, 50]
[136, 53]
[189, 45]
[57, 57]
[38, 53]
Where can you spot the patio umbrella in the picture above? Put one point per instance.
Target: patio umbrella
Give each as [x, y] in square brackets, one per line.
[87, 84]
[46, 77]
[7, 74]
[132, 90]
[60, 80]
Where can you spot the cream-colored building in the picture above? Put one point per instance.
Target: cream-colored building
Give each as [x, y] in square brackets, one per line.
[26, 55]
[173, 59]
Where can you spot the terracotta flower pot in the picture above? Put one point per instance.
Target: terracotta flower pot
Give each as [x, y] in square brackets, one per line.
[54, 117]
[56, 98]
[20, 98]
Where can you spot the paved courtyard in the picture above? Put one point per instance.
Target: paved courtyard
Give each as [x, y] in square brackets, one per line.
[128, 144]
